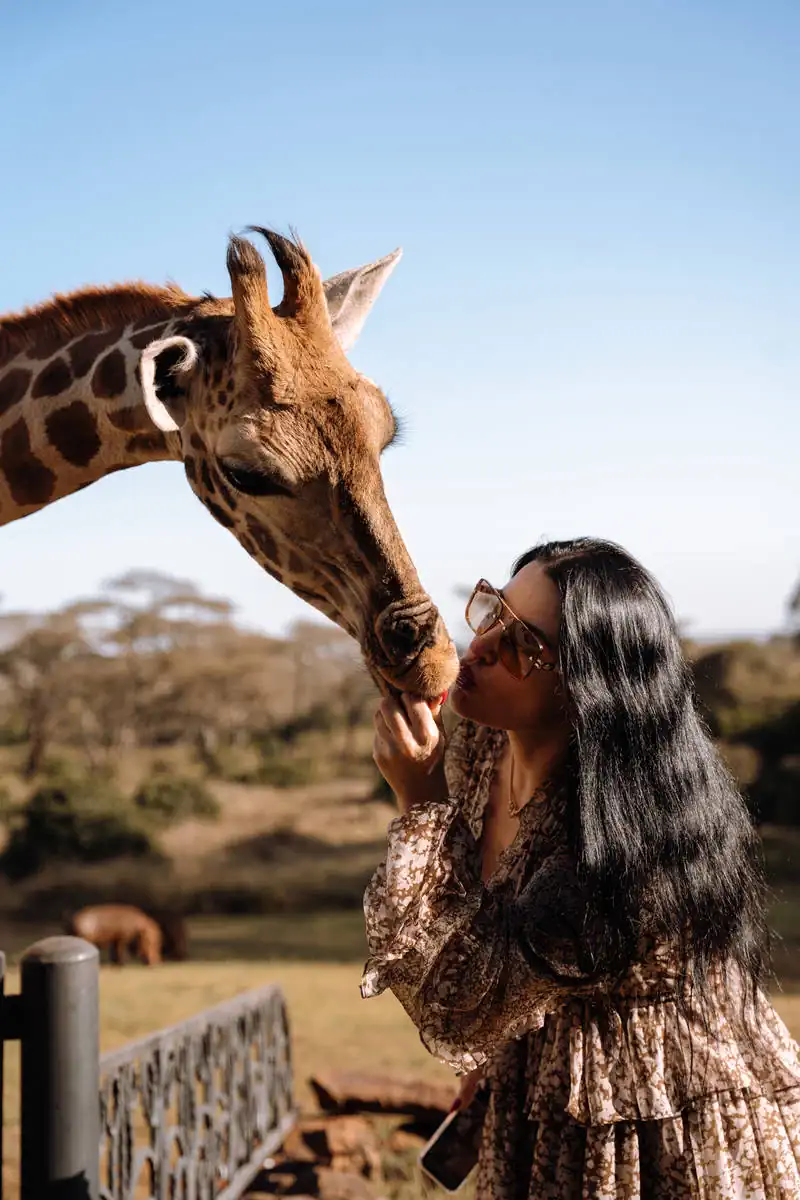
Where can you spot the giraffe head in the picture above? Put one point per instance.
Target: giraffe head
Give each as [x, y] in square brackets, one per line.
[281, 440]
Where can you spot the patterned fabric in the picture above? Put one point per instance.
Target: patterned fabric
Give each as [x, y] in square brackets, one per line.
[601, 1089]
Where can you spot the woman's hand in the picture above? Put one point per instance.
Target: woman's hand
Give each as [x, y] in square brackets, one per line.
[468, 1086]
[408, 750]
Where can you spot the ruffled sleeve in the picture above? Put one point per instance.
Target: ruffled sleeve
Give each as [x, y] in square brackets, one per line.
[474, 968]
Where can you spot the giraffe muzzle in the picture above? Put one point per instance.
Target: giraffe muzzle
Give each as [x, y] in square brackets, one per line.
[405, 629]
[415, 650]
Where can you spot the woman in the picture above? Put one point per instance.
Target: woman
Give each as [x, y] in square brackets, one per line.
[571, 903]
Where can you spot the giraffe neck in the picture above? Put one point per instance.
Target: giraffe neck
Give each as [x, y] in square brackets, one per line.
[72, 414]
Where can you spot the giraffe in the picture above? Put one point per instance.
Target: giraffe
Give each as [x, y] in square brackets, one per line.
[279, 436]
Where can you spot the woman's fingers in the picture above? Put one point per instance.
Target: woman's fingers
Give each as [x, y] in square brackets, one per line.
[420, 718]
[396, 727]
[408, 727]
[383, 741]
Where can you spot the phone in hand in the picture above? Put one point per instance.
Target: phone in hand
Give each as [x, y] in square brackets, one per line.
[452, 1152]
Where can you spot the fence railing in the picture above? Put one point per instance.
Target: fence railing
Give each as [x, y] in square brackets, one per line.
[191, 1111]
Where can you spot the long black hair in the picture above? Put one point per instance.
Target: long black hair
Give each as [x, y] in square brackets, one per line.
[663, 838]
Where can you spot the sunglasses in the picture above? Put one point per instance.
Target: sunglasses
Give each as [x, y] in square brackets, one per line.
[520, 649]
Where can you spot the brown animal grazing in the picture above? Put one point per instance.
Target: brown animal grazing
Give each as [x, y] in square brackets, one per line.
[278, 434]
[175, 942]
[124, 929]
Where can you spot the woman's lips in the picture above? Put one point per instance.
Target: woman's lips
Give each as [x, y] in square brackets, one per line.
[466, 680]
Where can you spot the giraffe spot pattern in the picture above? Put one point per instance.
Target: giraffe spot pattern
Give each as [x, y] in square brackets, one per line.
[128, 418]
[224, 492]
[52, 380]
[29, 480]
[84, 352]
[263, 540]
[146, 443]
[190, 468]
[197, 443]
[110, 377]
[13, 386]
[332, 568]
[224, 518]
[335, 596]
[146, 336]
[43, 344]
[309, 596]
[144, 322]
[73, 432]
[205, 476]
[270, 568]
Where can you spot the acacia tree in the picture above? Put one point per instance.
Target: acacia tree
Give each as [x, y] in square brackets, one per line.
[152, 661]
[40, 668]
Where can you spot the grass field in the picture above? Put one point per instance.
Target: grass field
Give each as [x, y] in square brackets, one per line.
[316, 960]
[329, 837]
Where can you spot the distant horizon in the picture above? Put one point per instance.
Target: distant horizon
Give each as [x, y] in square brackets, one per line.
[452, 611]
[594, 326]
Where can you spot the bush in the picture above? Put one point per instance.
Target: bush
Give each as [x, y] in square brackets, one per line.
[63, 887]
[74, 819]
[165, 799]
[775, 794]
[284, 772]
[233, 763]
[320, 718]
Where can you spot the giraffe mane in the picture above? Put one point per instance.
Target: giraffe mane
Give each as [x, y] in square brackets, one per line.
[67, 315]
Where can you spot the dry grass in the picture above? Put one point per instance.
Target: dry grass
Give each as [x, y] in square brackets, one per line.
[335, 812]
[316, 960]
[332, 1027]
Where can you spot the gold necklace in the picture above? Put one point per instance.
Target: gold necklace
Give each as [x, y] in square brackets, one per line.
[513, 811]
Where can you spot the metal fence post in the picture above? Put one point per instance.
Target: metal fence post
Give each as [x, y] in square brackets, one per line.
[60, 1070]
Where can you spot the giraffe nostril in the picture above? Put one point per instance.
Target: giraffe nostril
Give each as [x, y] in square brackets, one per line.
[404, 629]
[404, 636]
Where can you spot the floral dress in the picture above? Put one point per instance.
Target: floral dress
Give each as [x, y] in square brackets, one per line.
[599, 1090]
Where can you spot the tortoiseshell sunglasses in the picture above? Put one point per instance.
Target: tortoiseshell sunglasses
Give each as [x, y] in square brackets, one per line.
[521, 648]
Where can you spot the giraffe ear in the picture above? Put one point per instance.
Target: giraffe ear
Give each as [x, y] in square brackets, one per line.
[352, 294]
[165, 369]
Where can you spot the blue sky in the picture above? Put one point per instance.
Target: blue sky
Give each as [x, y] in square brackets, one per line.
[595, 327]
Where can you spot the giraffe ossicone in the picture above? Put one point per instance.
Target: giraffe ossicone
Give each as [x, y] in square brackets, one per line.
[280, 437]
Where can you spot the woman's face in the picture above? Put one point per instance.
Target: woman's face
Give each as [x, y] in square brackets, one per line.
[486, 691]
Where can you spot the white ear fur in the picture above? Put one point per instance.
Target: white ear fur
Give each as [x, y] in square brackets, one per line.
[351, 294]
[160, 411]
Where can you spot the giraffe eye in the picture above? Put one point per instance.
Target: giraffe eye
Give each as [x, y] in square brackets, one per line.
[251, 481]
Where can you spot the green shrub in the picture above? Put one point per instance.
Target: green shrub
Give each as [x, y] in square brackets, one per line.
[165, 799]
[285, 772]
[319, 718]
[775, 794]
[75, 819]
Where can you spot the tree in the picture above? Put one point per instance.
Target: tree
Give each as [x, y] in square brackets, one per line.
[40, 669]
[794, 608]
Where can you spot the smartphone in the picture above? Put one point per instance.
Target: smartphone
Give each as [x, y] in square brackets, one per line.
[452, 1153]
